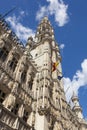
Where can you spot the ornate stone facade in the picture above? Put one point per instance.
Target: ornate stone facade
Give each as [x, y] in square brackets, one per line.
[31, 95]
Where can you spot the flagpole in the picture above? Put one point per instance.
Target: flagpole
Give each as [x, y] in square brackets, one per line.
[7, 13]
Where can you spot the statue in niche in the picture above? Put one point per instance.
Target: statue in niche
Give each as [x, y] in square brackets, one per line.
[9, 101]
[57, 126]
[29, 43]
[10, 84]
[15, 88]
[29, 78]
[21, 111]
[6, 79]
[2, 43]
[2, 76]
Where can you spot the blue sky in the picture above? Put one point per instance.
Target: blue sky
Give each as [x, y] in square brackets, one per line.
[69, 20]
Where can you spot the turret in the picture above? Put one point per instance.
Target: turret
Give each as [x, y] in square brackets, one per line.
[76, 108]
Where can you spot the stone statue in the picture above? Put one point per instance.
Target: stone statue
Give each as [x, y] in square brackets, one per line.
[21, 111]
[2, 76]
[6, 79]
[9, 102]
[10, 84]
[1, 43]
[57, 126]
[15, 88]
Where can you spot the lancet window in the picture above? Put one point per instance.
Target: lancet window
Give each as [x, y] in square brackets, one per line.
[23, 76]
[13, 63]
[15, 109]
[3, 53]
[25, 116]
[30, 84]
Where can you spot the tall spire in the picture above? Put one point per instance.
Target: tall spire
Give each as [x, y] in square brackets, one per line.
[44, 30]
[76, 108]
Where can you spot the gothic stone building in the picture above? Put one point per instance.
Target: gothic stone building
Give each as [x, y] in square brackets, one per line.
[31, 95]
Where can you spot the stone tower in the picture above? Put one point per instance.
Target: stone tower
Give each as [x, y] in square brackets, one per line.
[31, 89]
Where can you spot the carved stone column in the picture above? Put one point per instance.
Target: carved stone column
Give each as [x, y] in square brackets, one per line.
[34, 88]
[16, 124]
[29, 77]
[29, 72]
[19, 72]
[31, 119]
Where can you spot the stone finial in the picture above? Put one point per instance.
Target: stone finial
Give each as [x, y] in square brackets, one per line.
[45, 18]
[29, 44]
[30, 41]
[74, 96]
[76, 108]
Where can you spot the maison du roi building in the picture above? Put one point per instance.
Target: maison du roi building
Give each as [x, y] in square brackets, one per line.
[31, 94]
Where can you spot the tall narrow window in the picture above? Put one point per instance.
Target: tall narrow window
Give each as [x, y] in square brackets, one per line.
[2, 96]
[30, 84]
[25, 116]
[15, 109]
[13, 63]
[23, 76]
[3, 53]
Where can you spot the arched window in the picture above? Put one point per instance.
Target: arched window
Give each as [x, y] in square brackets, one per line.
[25, 116]
[2, 96]
[23, 76]
[3, 53]
[30, 84]
[13, 63]
[15, 109]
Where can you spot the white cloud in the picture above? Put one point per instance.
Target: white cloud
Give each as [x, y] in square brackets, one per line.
[21, 31]
[79, 80]
[22, 12]
[41, 13]
[57, 8]
[62, 46]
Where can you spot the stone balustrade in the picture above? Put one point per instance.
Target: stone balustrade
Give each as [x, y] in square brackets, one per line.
[11, 121]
